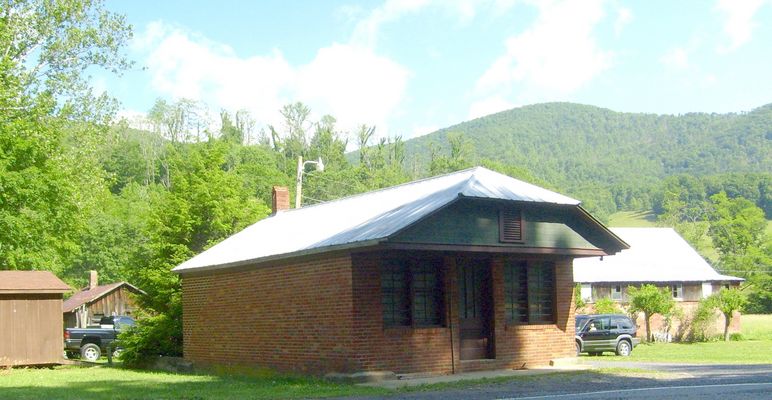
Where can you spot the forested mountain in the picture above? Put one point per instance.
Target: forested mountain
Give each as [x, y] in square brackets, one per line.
[600, 155]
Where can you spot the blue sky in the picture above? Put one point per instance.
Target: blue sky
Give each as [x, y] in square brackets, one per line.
[410, 67]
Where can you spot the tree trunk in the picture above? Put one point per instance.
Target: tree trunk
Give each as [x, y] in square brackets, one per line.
[727, 320]
[648, 327]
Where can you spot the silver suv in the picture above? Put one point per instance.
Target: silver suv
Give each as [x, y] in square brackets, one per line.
[605, 332]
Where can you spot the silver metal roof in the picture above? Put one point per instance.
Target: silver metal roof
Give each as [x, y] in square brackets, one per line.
[362, 219]
[655, 255]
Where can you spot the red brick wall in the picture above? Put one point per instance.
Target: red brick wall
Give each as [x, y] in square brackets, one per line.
[407, 350]
[401, 350]
[325, 316]
[523, 346]
[287, 317]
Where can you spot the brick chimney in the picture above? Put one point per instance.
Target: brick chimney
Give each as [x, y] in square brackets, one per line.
[280, 199]
[93, 279]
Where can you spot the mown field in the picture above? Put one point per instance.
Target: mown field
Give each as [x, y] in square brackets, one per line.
[754, 348]
[113, 383]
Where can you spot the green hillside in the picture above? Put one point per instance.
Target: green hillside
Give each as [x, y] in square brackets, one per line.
[613, 160]
[565, 143]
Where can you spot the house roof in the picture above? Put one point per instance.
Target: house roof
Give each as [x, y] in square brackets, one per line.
[655, 255]
[31, 282]
[88, 295]
[364, 219]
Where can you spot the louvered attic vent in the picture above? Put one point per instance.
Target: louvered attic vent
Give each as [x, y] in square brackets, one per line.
[511, 226]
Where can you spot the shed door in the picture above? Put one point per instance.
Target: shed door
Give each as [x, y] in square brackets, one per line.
[475, 309]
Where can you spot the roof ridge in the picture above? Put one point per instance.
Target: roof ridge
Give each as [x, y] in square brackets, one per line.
[374, 191]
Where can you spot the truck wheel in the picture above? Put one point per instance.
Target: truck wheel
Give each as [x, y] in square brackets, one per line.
[578, 349]
[624, 348]
[90, 352]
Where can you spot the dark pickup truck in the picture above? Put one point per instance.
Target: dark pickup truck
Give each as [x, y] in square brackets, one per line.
[90, 343]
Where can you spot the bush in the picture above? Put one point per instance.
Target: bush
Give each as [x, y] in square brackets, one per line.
[606, 306]
[153, 336]
[736, 337]
[579, 302]
[702, 319]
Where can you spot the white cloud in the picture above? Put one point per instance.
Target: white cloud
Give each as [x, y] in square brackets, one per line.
[423, 130]
[557, 55]
[489, 106]
[349, 82]
[353, 84]
[624, 16]
[738, 24]
[677, 58]
[367, 29]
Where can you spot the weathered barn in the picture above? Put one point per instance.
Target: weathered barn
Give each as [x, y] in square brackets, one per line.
[89, 305]
[31, 318]
[462, 272]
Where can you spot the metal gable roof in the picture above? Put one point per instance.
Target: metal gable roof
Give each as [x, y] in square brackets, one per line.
[89, 295]
[655, 255]
[362, 219]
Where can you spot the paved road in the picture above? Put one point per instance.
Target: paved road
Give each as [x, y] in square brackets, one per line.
[664, 381]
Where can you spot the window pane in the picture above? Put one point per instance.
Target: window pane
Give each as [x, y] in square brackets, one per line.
[395, 293]
[427, 293]
[516, 291]
[541, 280]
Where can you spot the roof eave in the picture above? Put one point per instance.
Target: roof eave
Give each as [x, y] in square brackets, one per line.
[277, 257]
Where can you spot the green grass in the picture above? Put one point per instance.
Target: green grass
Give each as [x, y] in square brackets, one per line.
[635, 219]
[756, 327]
[756, 348]
[73, 382]
[742, 352]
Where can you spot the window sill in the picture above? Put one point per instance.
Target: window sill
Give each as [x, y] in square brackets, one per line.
[530, 327]
[413, 330]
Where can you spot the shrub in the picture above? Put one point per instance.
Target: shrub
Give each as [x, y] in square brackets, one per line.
[579, 302]
[736, 337]
[606, 306]
[153, 336]
[702, 319]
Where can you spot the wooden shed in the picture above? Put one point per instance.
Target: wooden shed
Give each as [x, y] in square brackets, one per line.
[30, 318]
[86, 307]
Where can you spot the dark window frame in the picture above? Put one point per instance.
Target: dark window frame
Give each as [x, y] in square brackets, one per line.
[423, 296]
[530, 299]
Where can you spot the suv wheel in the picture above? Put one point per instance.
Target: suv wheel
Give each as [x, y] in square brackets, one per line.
[624, 348]
[578, 349]
[90, 352]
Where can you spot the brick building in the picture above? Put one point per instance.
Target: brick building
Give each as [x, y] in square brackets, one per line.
[462, 272]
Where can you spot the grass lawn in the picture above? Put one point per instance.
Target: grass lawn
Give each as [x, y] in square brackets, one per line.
[101, 382]
[756, 348]
[645, 219]
[756, 327]
[743, 352]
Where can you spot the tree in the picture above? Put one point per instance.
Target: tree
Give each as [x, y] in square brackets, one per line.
[45, 105]
[650, 300]
[737, 228]
[728, 301]
[606, 306]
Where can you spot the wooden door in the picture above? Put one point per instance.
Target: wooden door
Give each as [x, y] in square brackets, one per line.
[475, 309]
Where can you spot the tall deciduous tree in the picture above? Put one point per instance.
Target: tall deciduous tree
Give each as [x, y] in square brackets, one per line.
[46, 102]
[737, 228]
